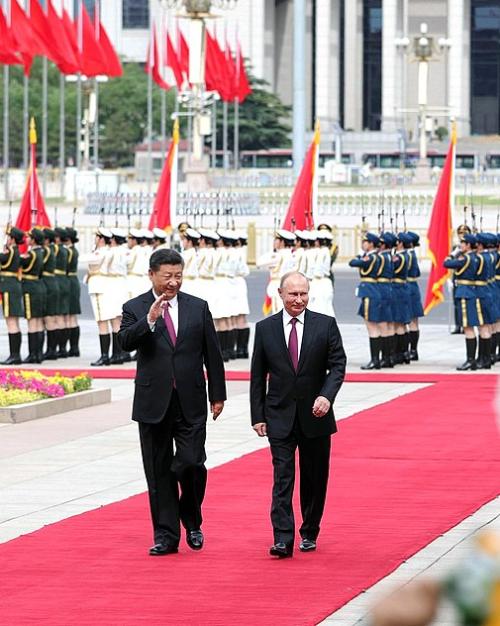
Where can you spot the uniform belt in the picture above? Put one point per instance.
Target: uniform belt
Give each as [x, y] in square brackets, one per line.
[135, 274]
[383, 280]
[189, 277]
[14, 274]
[29, 277]
[368, 280]
[72, 274]
[472, 283]
[411, 279]
[497, 277]
[211, 277]
[59, 272]
[399, 280]
[117, 275]
[48, 274]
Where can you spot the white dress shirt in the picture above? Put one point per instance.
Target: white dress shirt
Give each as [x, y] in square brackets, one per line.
[287, 328]
[173, 310]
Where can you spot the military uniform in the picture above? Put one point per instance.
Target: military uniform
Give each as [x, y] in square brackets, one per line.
[49, 280]
[385, 276]
[12, 293]
[74, 293]
[190, 270]
[34, 296]
[321, 286]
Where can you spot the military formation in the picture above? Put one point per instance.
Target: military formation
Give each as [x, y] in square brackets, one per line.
[311, 252]
[42, 286]
[475, 263]
[390, 301]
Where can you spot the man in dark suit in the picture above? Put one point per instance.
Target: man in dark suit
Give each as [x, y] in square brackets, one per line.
[298, 366]
[174, 336]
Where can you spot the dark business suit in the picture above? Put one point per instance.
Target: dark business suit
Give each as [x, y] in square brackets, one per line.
[170, 404]
[283, 398]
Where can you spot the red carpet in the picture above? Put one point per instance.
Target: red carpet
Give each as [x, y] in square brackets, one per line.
[402, 474]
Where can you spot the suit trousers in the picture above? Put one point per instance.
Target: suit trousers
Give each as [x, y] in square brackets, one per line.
[168, 470]
[314, 463]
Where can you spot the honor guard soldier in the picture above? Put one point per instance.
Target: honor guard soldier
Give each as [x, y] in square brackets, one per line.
[52, 289]
[485, 276]
[12, 293]
[159, 239]
[492, 249]
[34, 294]
[146, 249]
[74, 292]
[401, 298]
[226, 305]
[369, 309]
[206, 266]
[496, 347]
[322, 286]
[243, 308]
[299, 253]
[116, 293]
[189, 241]
[465, 264]
[416, 308]
[385, 276]
[135, 280]
[461, 230]
[98, 284]
[61, 273]
[334, 249]
[279, 263]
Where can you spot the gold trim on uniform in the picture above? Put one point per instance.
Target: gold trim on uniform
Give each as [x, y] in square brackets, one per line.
[59, 272]
[9, 260]
[29, 277]
[27, 305]
[6, 307]
[33, 259]
[479, 312]
[366, 304]
[464, 312]
[13, 274]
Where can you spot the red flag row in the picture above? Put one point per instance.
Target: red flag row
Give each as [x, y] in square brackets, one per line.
[224, 70]
[74, 46]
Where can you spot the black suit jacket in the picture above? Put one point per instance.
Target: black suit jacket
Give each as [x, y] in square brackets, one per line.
[278, 394]
[159, 363]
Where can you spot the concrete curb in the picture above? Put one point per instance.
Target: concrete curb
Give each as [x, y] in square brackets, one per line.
[17, 413]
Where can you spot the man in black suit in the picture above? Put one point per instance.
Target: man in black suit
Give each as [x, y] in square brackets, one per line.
[174, 336]
[298, 366]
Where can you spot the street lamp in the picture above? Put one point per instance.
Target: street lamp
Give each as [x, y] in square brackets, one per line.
[422, 47]
[197, 99]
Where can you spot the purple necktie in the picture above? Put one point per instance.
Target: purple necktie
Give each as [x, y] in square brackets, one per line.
[169, 324]
[293, 344]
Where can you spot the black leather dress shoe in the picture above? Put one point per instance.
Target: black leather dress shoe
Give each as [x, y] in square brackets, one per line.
[160, 549]
[470, 364]
[307, 545]
[413, 355]
[374, 364]
[103, 360]
[281, 550]
[12, 360]
[194, 539]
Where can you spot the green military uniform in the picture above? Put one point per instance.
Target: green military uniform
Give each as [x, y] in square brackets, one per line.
[74, 283]
[50, 281]
[61, 272]
[34, 293]
[10, 282]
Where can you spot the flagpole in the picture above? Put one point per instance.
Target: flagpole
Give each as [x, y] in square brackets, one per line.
[25, 121]
[78, 159]
[236, 134]
[96, 126]
[163, 120]
[299, 86]
[150, 113]
[6, 131]
[44, 123]
[214, 134]
[62, 125]
[224, 137]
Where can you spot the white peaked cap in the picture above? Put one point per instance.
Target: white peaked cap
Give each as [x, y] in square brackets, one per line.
[285, 234]
[104, 232]
[192, 233]
[159, 233]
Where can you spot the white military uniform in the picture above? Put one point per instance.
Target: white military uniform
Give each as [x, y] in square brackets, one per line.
[98, 282]
[241, 289]
[117, 292]
[206, 269]
[135, 278]
[321, 296]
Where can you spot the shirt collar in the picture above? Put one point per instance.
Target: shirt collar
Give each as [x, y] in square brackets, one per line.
[173, 302]
[287, 317]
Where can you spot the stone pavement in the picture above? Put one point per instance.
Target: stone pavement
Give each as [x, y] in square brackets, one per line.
[64, 465]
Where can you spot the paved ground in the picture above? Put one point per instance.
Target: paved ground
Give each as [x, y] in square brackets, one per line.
[63, 465]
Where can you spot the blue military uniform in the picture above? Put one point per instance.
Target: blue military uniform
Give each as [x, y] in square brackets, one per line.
[385, 276]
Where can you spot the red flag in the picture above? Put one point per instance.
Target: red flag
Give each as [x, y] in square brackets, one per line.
[440, 230]
[8, 54]
[40, 25]
[244, 88]
[71, 33]
[232, 71]
[217, 78]
[183, 54]
[302, 207]
[153, 63]
[32, 211]
[111, 60]
[93, 62]
[166, 196]
[27, 42]
[68, 62]
[173, 62]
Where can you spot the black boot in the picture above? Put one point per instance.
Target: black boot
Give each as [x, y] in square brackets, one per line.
[493, 343]
[32, 348]
[51, 353]
[74, 339]
[484, 362]
[470, 363]
[414, 337]
[406, 348]
[374, 363]
[62, 338]
[243, 338]
[39, 348]
[105, 341]
[232, 343]
[386, 352]
[116, 357]
[15, 350]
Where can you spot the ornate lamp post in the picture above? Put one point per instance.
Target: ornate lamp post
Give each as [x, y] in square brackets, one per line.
[422, 47]
[196, 99]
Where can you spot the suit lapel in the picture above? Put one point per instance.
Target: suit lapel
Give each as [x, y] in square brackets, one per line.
[184, 312]
[280, 337]
[307, 337]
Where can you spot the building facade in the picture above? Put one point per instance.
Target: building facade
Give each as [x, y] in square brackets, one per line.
[360, 64]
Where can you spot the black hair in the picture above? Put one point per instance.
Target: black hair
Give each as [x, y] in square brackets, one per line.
[164, 257]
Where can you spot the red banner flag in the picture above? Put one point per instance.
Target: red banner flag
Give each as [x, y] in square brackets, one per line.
[153, 63]
[8, 54]
[302, 207]
[32, 211]
[71, 34]
[40, 25]
[243, 85]
[92, 57]
[110, 58]
[172, 61]
[164, 208]
[68, 62]
[27, 42]
[440, 230]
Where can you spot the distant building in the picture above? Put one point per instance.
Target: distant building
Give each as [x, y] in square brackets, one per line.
[361, 70]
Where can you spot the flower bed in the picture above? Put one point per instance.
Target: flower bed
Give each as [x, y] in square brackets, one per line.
[24, 386]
